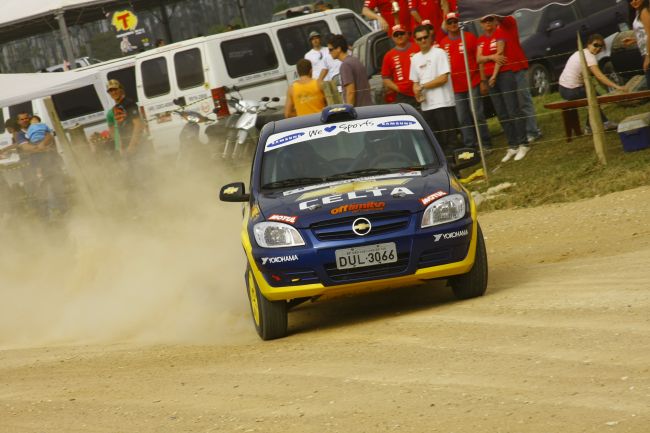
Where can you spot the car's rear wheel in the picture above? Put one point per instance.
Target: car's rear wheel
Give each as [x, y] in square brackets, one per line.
[269, 317]
[539, 79]
[473, 283]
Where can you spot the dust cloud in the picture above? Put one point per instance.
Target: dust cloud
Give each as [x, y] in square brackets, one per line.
[158, 264]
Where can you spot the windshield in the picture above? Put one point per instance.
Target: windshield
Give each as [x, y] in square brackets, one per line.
[346, 150]
[527, 21]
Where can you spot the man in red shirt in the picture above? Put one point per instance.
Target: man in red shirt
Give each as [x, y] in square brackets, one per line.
[432, 11]
[396, 66]
[493, 52]
[388, 16]
[453, 45]
[519, 63]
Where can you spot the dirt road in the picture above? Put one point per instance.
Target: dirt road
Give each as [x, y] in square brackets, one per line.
[560, 343]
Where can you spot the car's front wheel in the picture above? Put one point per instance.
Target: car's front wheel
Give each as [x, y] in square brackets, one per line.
[539, 79]
[473, 283]
[270, 317]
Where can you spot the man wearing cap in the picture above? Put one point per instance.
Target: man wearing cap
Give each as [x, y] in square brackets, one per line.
[396, 66]
[453, 45]
[317, 56]
[432, 87]
[124, 120]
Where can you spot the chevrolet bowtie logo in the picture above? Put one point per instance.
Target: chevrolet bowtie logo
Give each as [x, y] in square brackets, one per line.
[466, 155]
[230, 190]
[361, 226]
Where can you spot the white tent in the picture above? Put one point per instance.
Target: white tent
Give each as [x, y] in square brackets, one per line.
[17, 88]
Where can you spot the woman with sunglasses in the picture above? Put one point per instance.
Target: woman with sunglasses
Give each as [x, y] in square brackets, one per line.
[641, 26]
[572, 83]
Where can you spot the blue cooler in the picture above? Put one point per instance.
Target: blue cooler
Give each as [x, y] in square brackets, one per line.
[635, 132]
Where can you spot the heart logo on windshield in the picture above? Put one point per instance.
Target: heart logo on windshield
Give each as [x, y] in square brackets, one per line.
[330, 128]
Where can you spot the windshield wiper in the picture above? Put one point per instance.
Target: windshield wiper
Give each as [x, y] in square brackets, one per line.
[299, 181]
[361, 173]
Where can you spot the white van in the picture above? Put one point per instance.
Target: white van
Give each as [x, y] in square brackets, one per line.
[258, 60]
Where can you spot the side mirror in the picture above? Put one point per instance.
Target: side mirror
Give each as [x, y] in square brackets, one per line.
[234, 192]
[465, 157]
[180, 101]
[557, 24]
[275, 99]
[265, 99]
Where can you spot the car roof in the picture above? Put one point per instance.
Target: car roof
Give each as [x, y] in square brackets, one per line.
[368, 112]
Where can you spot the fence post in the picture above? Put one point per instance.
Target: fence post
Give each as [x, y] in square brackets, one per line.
[597, 129]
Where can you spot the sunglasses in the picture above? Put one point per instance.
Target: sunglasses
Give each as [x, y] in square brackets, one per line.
[597, 45]
[112, 90]
[422, 38]
[399, 34]
[450, 22]
[487, 20]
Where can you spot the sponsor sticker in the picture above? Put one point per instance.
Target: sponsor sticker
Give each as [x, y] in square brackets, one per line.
[355, 195]
[279, 259]
[371, 205]
[406, 122]
[432, 197]
[450, 235]
[283, 218]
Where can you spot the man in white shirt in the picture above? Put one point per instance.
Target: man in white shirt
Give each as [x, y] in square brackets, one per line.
[318, 57]
[432, 88]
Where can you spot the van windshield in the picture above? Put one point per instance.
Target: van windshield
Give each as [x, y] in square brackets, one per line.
[527, 22]
[346, 150]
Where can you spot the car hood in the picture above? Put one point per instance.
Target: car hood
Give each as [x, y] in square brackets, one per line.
[301, 207]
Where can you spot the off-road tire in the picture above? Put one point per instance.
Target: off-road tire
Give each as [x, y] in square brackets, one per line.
[270, 317]
[473, 283]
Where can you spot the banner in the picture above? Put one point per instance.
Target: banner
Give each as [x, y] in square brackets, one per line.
[132, 38]
[474, 9]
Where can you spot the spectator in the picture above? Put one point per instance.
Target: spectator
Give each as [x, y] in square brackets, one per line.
[125, 118]
[317, 56]
[519, 61]
[431, 12]
[453, 45]
[43, 175]
[572, 83]
[493, 52]
[160, 43]
[354, 77]
[321, 6]
[641, 26]
[432, 88]
[396, 65]
[391, 12]
[304, 95]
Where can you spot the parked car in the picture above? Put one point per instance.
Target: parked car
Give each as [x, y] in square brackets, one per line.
[352, 199]
[549, 36]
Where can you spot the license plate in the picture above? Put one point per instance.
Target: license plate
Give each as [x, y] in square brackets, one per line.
[359, 257]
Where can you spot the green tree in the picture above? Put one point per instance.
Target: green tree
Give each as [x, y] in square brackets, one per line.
[105, 46]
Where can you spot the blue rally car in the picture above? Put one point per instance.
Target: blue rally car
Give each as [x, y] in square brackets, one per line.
[351, 199]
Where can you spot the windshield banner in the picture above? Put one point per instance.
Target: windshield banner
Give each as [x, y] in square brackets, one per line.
[287, 138]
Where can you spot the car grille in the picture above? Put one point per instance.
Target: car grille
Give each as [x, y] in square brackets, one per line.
[367, 272]
[341, 229]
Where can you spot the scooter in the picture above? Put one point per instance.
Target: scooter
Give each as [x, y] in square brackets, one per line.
[191, 150]
[243, 126]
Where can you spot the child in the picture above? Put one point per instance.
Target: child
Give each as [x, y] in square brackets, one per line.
[37, 130]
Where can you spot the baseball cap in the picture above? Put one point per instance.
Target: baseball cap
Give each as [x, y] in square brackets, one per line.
[113, 84]
[398, 28]
[426, 23]
[452, 16]
[314, 34]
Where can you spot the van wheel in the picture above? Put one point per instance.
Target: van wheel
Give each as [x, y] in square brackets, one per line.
[539, 79]
[473, 283]
[270, 317]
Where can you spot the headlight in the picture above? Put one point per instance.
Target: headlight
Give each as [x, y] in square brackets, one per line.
[276, 235]
[445, 210]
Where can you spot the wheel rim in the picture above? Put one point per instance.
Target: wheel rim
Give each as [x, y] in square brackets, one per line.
[252, 295]
[540, 80]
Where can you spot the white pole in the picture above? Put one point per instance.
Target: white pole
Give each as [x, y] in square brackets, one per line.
[471, 102]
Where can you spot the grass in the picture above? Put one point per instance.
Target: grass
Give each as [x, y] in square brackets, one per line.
[557, 171]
